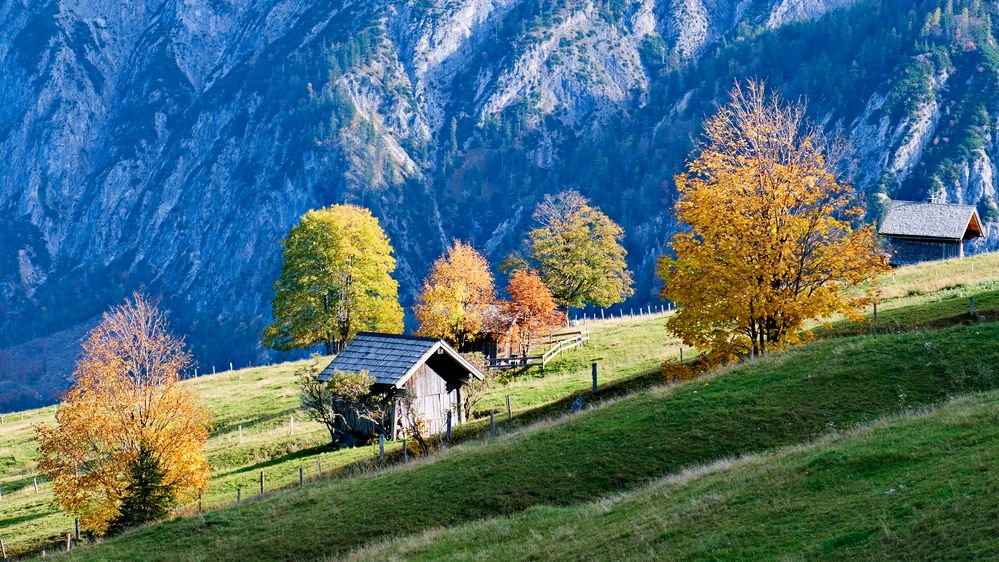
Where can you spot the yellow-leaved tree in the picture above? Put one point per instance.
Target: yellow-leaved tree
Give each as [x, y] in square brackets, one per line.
[336, 280]
[456, 295]
[773, 237]
[129, 441]
[578, 252]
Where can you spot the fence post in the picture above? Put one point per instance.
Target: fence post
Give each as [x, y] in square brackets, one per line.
[449, 425]
[291, 426]
[593, 367]
[875, 316]
[261, 482]
[301, 476]
[492, 424]
[239, 493]
[213, 369]
[681, 355]
[971, 306]
[69, 541]
[381, 439]
[76, 528]
[509, 412]
[195, 372]
[601, 314]
[319, 467]
[3, 549]
[405, 452]
[230, 365]
[36, 484]
[240, 434]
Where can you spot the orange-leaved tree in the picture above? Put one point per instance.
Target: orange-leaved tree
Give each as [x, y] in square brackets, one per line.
[531, 310]
[129, 442]
[456, 296]
[773, 235]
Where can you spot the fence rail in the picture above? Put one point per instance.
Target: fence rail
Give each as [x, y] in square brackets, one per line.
[566, 341]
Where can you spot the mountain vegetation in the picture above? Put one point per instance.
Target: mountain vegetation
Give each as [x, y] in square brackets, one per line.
[195, 147]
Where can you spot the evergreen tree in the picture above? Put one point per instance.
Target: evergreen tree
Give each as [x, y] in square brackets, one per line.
[148, 497]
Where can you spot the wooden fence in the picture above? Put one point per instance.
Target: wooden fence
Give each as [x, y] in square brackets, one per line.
[561, 342]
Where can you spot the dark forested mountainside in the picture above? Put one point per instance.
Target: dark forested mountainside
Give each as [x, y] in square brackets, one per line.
[168, 146]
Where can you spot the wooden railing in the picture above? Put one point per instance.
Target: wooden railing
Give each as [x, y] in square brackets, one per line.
[563, 342]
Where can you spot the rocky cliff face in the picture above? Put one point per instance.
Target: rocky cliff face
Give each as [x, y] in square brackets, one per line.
[168, 145]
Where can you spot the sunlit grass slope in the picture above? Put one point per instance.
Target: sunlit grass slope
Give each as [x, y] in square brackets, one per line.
[263, 399]
[787, 398]
[919, 487]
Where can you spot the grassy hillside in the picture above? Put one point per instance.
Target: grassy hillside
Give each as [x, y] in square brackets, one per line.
[262, 401]
[916, 487]
[784, 399]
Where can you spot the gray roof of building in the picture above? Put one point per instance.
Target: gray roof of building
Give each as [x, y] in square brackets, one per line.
[928, 220]
[390, 358]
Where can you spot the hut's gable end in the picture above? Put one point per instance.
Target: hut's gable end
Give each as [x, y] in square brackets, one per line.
[433, 398]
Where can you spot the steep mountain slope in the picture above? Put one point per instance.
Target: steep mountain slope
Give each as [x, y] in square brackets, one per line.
[168, 145]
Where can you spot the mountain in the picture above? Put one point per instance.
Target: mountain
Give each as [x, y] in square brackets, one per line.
[167, 146]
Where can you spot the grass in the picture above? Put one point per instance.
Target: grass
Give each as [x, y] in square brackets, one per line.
[629, 352]
[915, 487]
[262, 400]
[778, 401]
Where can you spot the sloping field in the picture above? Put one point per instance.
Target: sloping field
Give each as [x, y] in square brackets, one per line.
[918, 487]
[785, 399]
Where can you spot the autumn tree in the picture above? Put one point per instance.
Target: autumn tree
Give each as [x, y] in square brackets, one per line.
[531, 309]
[336, 280]
[456, 296]
[771, 238]
[578, 252]
[129, 442]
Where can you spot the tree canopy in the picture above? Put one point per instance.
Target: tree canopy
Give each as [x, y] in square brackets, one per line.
[578, 252]
[531, 309]
[129, 442]
[771, 239]
[336, 280]
[456, 296]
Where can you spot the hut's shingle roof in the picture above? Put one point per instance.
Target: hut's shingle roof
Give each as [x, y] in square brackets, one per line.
[929, 220]
[389, 358]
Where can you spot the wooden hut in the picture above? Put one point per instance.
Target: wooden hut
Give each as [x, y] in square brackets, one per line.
[918, 232]
[428, 367]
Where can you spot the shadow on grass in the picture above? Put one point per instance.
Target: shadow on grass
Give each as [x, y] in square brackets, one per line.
[4, 523]
[474, 429]
[951, 311]
[233, 427]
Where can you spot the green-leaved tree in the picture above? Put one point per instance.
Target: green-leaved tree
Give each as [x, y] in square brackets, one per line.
[336, 281]
[578, 252]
